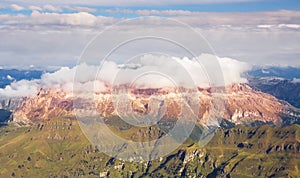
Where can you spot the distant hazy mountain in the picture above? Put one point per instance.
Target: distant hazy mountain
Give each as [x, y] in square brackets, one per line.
[7, 76]
[281, 72]
[284, 89]
[283, 83]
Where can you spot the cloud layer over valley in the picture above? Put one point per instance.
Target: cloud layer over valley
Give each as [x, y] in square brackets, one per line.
[88, 77]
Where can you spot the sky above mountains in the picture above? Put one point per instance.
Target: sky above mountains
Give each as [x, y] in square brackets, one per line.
[51, 34]
[101, 7]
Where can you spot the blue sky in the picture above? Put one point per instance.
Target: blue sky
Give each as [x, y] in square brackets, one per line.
[253, 6]
[99, 8]
[267, 5]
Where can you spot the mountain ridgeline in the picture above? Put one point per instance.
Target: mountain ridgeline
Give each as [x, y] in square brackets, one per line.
[238, 104]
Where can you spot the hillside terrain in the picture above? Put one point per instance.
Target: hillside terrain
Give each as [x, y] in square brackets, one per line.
[58, 148]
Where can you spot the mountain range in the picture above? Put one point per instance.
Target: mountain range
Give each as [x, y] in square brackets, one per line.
[256, 131]
[238, 103]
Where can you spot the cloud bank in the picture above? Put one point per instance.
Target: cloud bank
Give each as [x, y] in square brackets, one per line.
[16, 7]
[57, 39]
[282, 19]
[84, 77]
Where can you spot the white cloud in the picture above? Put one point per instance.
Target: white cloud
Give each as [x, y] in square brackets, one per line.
[296, 26]
[9, 77]
[119, 10]
[81, 18]
[232, 70]
[265, 26]
[283, 26]
[21, 88]
[296, 80]
[57, 38]
[85, 9]
[235, 21]
[51, 8]
[47, 19]
[86, 80]
[241, 19]
[35, 8]
[146, 12]
[16, 7]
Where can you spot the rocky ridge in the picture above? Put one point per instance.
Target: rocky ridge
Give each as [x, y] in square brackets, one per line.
[239, 104]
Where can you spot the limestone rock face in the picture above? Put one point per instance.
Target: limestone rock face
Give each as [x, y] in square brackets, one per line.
[237, 103]
[10, 104]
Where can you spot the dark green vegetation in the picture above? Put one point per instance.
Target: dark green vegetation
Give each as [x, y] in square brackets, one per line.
[57, 148]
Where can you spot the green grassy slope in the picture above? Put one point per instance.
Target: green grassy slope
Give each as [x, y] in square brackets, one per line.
[58, 148]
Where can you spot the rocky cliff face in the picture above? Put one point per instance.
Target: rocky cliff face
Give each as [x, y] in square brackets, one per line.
[7, 107]
[10, 104]
[44, 105]
[241, 104]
